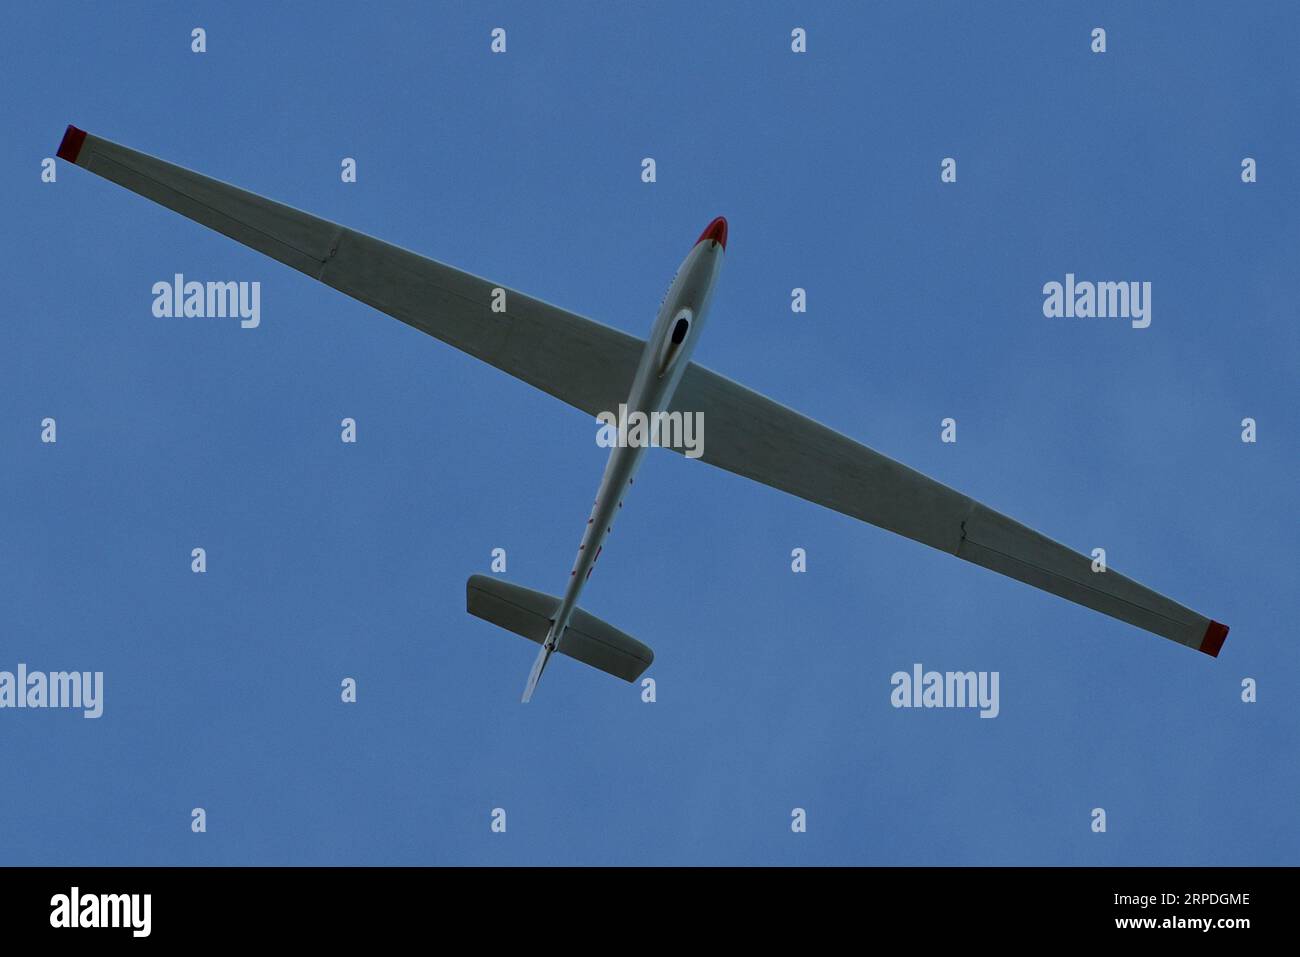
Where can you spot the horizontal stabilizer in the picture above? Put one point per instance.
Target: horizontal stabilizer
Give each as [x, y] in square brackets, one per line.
[528, 614]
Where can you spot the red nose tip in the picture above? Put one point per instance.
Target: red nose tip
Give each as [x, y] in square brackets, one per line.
[716, 231]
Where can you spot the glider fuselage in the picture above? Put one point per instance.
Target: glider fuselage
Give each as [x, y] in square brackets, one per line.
[665, 357]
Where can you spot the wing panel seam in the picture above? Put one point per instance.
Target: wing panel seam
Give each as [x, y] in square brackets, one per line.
[211, 209]
[1065, 578]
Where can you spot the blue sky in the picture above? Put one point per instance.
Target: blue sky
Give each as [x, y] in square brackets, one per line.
[329, 560]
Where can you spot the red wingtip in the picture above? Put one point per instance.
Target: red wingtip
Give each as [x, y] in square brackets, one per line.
[70, 148]
[716, 231]
[1214, 637]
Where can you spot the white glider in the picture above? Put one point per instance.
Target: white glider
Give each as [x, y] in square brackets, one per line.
[596, 369]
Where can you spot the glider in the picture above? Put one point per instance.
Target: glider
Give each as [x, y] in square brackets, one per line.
[596, 369]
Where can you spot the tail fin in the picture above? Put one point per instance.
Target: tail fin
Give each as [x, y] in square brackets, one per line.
[528, 613]
[534, 676]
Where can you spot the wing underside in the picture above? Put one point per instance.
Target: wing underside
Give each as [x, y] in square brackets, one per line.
[584, 363]
[750, 435]
[590, 366]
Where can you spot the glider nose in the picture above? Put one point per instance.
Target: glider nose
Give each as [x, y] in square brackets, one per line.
[716, 232]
